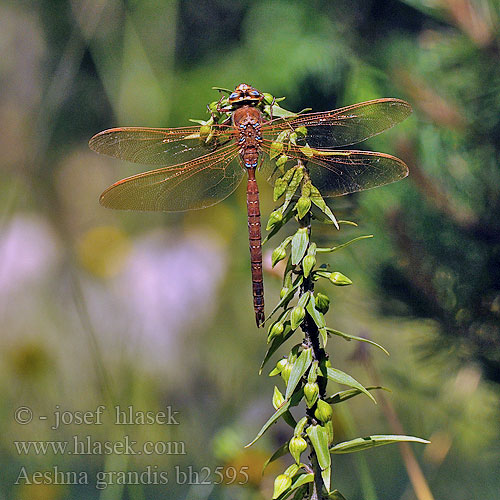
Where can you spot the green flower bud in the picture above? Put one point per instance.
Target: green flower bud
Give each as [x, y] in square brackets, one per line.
[285, 373]
[297, 316]
[303, 205]
[275, 330]
[268, 98]
[283, 292]
[279, 367]
[281, 161]
[311, 392]
[279, 253]
[274, 219]
[292, 470]
[308, 263]
[278, 398]
[301, 130]
[323, 411]
[313, 373]
[281, 484]
[339, 279]
[296, 446]
[322, 302]
[293, 138]
[279, 188]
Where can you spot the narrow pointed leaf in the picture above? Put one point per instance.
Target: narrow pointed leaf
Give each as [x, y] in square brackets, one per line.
[341, 396]
[301, 480]
[319, 439]
[359, 444]
[348, 337]
[326, 475]
[274, 417]
[343, 378]
[336, 495]
[299, 368]
[280, 452]
[317, 317]
[343, 245]
[294, 401]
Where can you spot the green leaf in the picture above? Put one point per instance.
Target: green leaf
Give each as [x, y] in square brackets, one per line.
[319, 439]
[343, 245]
[341, 396]
[343, 378]
[359, 444]
[293, 401]
[274, 417]
[317, 317]
[288, 418]
[326, 475]
[348, 337]
[299, 368]
[280, 452]
[275, 149]
[336, 495]
[301, 480]
[300, 241]
[318, 200]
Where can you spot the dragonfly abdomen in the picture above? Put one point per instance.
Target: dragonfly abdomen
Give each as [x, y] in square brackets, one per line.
[254, 237]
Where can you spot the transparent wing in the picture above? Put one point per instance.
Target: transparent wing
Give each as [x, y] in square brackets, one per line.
[344, 126]
[198, 183]
[159, 146]
[336, 173]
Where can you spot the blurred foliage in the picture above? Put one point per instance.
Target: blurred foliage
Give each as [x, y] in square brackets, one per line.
[162, 314]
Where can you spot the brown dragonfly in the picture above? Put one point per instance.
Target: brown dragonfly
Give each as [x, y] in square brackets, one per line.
[200, 166]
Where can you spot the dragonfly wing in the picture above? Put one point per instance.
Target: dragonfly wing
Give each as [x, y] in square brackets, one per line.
[336, 173]
[196, 184]
[158, 146]
[344, 126]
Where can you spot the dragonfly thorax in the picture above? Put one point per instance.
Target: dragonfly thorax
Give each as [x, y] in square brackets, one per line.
[245, 94]
[248, 122]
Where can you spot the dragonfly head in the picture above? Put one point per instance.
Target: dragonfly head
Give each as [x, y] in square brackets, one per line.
[245, 94]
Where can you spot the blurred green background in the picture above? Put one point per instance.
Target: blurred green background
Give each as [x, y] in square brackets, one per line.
[154, 310]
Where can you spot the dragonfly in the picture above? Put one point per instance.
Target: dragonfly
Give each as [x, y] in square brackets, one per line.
[199, 166]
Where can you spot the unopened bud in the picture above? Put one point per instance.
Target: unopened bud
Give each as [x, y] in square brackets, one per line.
[278, 398]
[275, 331]
[279, 253]
[323, 411]
[285, 373]
[303, 205]
[280, 186]
[311, 391]
[281, 484]
[297, 316]
[308, 263]
[322, 302]
[279, 367]
[274, 218]
[296, 446]
[339, 279]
